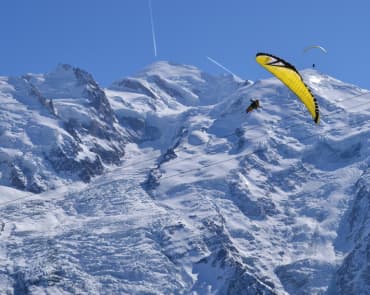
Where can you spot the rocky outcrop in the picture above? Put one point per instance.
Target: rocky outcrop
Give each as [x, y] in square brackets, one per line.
[353, 275]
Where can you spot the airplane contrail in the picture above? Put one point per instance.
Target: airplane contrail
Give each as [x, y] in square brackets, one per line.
[152, 24]
[221, 66]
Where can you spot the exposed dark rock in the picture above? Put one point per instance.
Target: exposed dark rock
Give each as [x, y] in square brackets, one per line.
[100, 102]
[132, 84]
[63, 159]
[111, 156]
[353, 275]
[238, 275]
[17, 178]
[164, 85]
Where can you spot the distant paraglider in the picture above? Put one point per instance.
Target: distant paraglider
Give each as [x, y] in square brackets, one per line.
[288, 74]
[315, 46]
[308, 48]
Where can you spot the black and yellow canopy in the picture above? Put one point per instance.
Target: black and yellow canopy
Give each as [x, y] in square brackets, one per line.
[288, 74]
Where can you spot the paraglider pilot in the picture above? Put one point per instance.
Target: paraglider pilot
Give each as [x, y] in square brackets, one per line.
[255, 104]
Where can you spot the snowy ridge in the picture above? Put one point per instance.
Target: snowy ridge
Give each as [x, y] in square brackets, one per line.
[58, 127]
[202, 198]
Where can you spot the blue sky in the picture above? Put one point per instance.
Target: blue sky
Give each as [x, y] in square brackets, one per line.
[113, 38]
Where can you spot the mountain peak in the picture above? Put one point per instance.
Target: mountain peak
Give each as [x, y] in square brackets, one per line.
[67, 72]
[209, 199]
[169, 70]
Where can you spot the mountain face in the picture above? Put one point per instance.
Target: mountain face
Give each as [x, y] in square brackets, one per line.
[57, 127]
[162, 184]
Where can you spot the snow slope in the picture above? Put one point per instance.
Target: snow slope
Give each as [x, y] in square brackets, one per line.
[56, 128]
[207, 200]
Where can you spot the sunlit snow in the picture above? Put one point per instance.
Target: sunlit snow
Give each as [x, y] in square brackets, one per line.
[206, 199]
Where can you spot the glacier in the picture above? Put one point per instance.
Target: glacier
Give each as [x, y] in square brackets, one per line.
[161, 184]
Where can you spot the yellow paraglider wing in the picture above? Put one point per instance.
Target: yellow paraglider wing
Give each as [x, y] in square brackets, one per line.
[292, 79]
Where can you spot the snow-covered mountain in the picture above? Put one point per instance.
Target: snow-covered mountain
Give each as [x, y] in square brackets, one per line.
[56, 128]
[162, 184]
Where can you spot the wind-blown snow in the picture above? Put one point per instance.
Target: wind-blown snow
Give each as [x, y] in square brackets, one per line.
[206, 198]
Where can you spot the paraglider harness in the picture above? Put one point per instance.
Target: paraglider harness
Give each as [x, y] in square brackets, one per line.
[255, 104]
